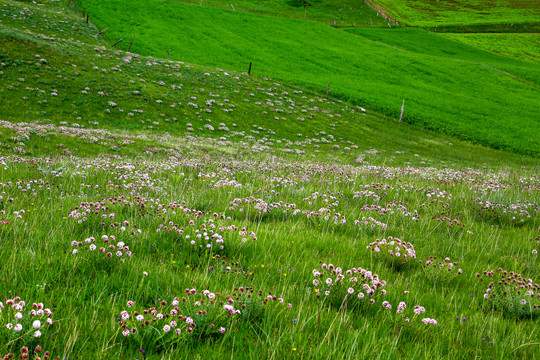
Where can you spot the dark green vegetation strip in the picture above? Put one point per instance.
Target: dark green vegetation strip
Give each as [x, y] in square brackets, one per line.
[469, 94]
[345, 13]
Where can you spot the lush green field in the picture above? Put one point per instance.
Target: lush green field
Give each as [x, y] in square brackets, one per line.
[127, 180]
[346, 13]
[487, 99]
[461, 13]
[525, 47]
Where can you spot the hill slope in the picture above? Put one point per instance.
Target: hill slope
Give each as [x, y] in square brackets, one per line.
[487, 99]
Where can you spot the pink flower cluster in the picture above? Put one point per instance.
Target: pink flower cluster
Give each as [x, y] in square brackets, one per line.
[106, 247]
[512, 293]
[26, 353]
[20, 321]
[441, 271]
[403, 316]
[393, 249]
[347, 287]
[202, 313]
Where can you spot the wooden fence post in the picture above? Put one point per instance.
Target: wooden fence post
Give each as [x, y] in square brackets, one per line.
[249, 70]
[327, 88]
[116, 43]
[131, 43]
[402, 109]
[102, 31]
[169, 57]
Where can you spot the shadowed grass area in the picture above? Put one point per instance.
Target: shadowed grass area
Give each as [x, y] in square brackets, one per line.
[347, 13]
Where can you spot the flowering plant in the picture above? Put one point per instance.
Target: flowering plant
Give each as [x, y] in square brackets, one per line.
[23, 325]
[208, 236]
[221, 266]
[405, 316]
[350, 288]
[393, 251]
[511, 293]
[441, 271]
[102, 247]
[193, 315]
[26, 353]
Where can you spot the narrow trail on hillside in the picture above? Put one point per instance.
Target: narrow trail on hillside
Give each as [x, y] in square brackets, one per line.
[382, 12]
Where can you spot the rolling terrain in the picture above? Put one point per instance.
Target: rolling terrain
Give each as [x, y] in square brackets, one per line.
[164, 209]
[465, 93]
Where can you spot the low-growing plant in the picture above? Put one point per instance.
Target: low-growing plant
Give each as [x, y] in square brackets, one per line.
[27, 353]
[347, 289]
[193, 316]
[393, 251]
[406, 316]
[442, 271]
[22, 326]
[221, 265]
[106, 248]
[511, 293]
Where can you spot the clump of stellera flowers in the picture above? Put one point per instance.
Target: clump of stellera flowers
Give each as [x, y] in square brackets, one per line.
[194, 315]
[406, 316]
[347, 288]
[393, 251]
[24, 325]
[441, 271]
[27, 353]
[511, 293]
[103, 247]
[222, 266]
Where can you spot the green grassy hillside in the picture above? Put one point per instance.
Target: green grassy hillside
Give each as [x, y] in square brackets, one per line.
[51, 80]
[483, 98]
[461, 13]
[346, 13]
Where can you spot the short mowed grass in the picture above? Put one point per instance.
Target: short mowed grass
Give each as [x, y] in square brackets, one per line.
[523, 46]
[482, 98]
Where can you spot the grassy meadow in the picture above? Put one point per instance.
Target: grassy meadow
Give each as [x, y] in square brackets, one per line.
[488, 99]
[155, 209]
[346, 13]
[468, 12]
[522, 46]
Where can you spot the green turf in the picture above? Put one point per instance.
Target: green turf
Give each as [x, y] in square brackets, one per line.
[347, 13]
[525, 47]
